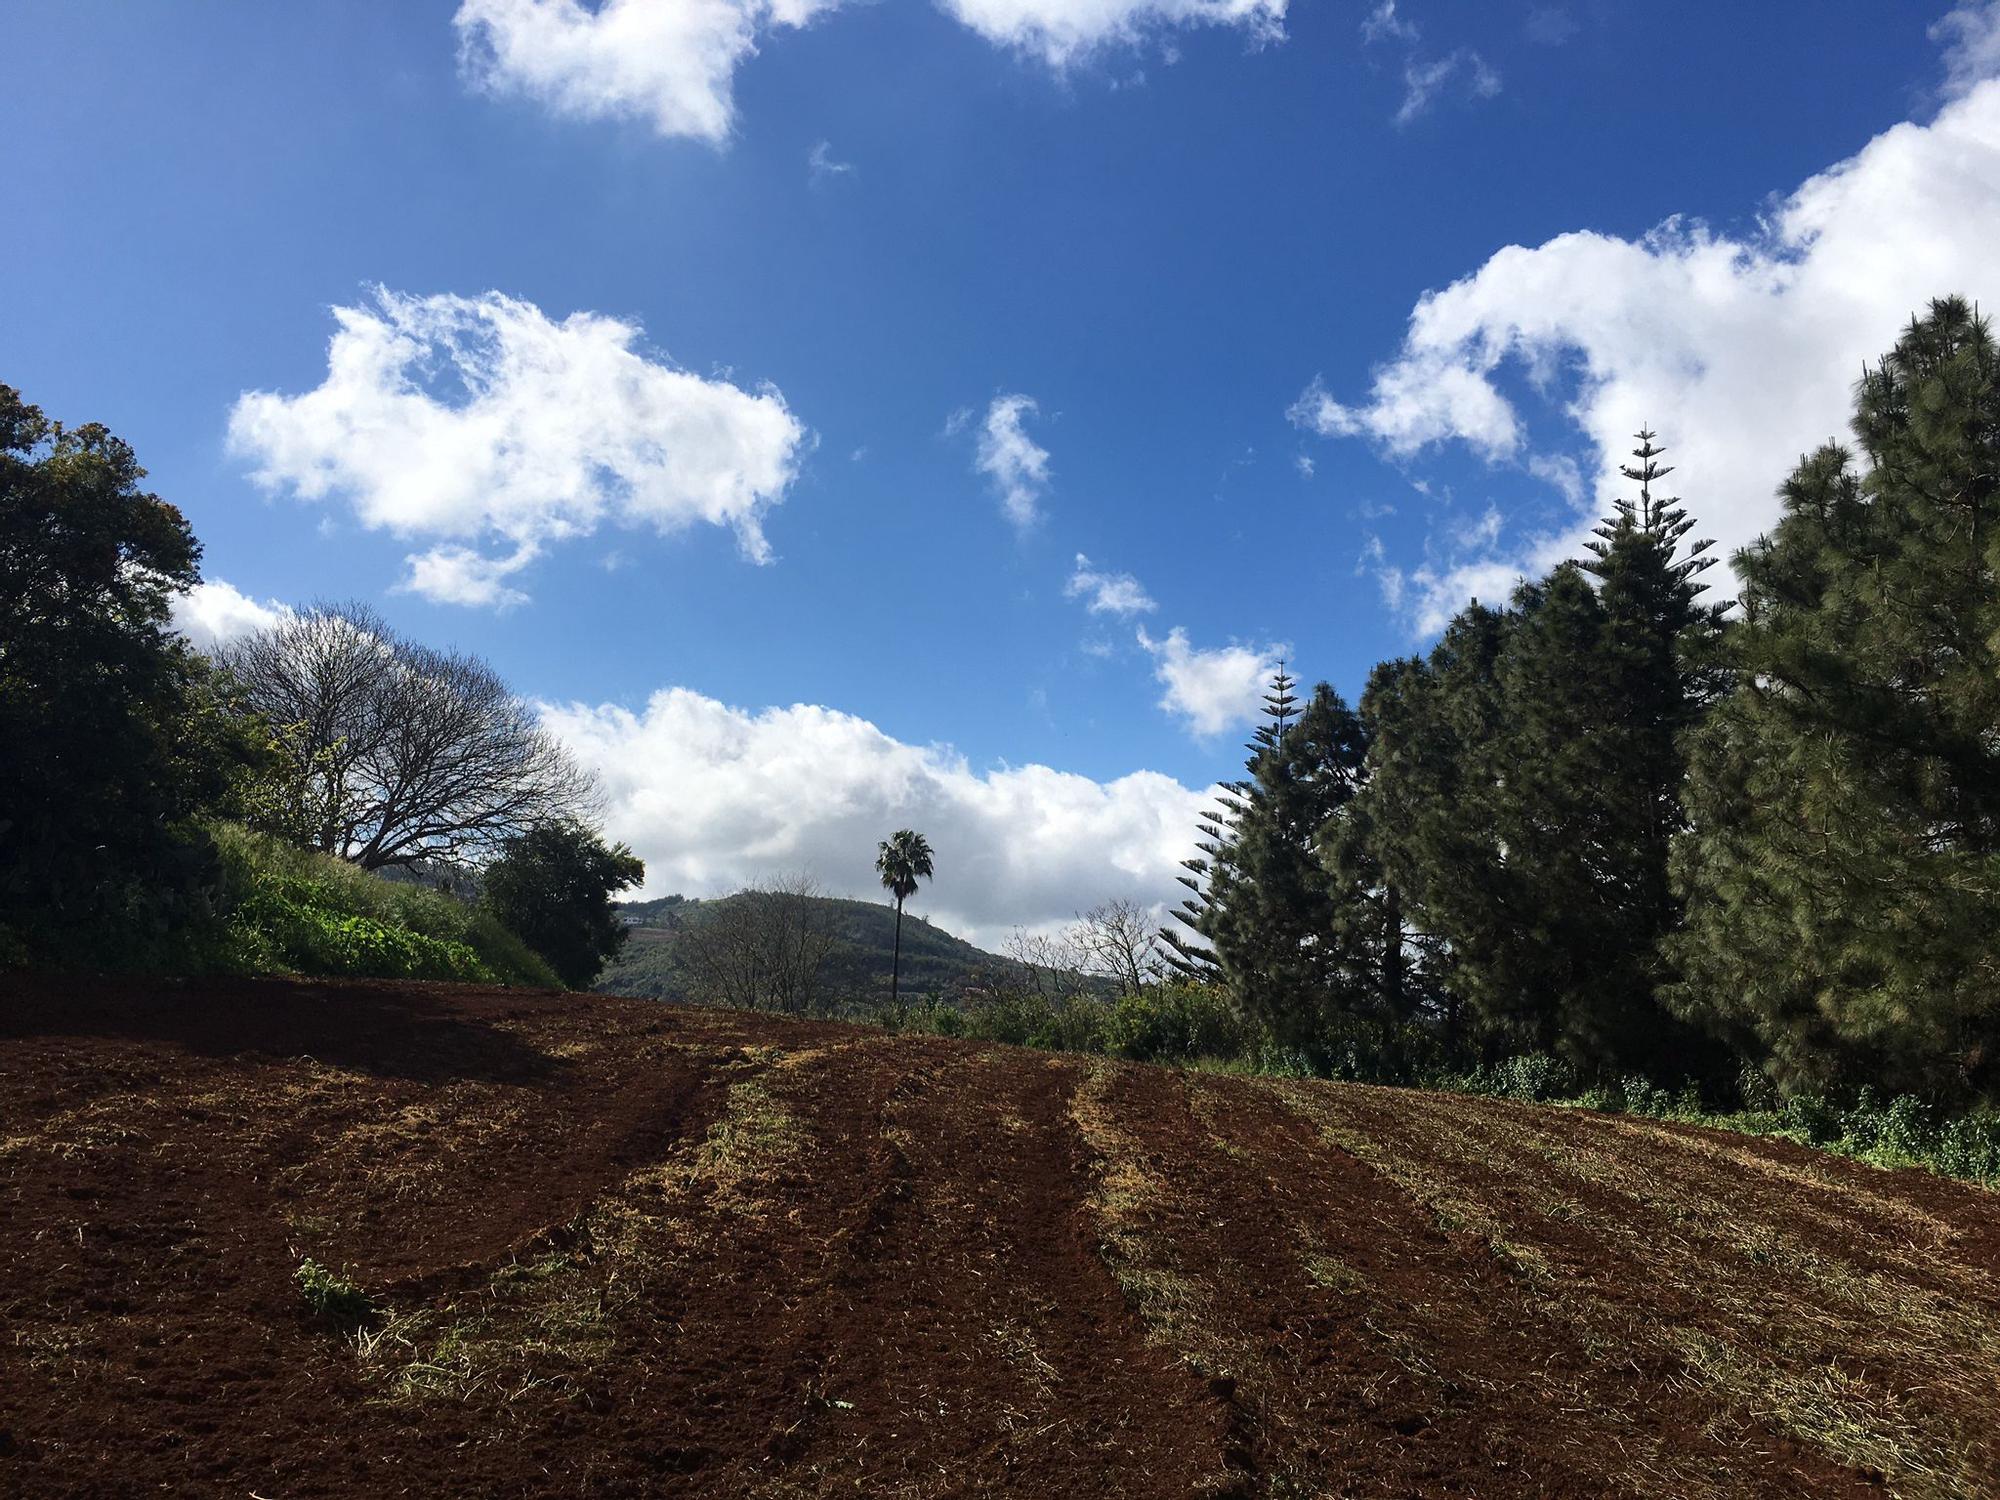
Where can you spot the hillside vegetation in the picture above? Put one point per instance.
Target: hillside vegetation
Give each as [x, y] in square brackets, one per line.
[655, 962]
[333, 1238]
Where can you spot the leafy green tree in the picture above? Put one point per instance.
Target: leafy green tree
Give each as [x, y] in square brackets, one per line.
[552, 887]
[114, 736]
[902, 859]
[1842, 865]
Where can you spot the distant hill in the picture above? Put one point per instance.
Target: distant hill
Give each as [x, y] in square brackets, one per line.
[857, 969]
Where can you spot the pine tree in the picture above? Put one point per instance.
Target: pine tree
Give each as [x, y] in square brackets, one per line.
[1270, 920]
[1842, 870]
[1210, 867]
[1523, 792]
[1658, 673]
[1433, 726]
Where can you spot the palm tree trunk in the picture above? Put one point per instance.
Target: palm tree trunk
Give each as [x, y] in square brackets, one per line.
[896, 964]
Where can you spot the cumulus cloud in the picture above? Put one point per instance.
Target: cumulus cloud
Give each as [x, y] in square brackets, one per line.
[1211, 689]
[672, 63]
[213, 613]
[669, 62]
[1424, 81]
[458, 575]
[712, 796]
[462, 420]
[1107, 593]
[1742, 351]
[1013, 461]
[1063, 32]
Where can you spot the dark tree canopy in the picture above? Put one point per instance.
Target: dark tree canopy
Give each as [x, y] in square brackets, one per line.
[1842, 870]
[1523, 793]
[113, 735]
[1288, 956]
[402, 754]
[552, 888]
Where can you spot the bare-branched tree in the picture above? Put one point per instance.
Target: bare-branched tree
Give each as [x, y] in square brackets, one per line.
[1120, 941]
[402, 754]
[765, 948]
[1049, 961]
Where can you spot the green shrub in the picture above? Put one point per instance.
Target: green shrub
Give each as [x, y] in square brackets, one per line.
[1074, 1023]
[930, 1016]
[285, 909]
[1180, 1022]
[332, 1297]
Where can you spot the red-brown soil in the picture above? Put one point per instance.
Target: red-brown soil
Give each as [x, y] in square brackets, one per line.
[619, 1248]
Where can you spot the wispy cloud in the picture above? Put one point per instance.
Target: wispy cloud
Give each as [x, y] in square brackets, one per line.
[1424, 82]
[1107, 593]
[1382, 24]
[821, 167]
[1017, 466]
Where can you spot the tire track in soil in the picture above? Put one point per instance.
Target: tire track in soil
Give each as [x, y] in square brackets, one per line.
[1614, 1271]
[968, 1338]
[1359, 1381]
[921, 1287]
[1777, 1282]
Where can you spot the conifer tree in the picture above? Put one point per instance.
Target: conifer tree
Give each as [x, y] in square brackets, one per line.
[1432, 724]
[1210, 869]
[1271, 921]
[1524, 791]
[1842, 868]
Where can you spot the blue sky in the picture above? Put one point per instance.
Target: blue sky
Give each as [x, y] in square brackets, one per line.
[1192, 233]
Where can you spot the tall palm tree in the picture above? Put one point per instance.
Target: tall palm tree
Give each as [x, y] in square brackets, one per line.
[901, 859]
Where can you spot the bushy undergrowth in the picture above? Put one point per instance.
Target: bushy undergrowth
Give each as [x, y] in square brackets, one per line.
[290, 910]
[1194, 1026]
[1170, 1023]
[1905, 1131]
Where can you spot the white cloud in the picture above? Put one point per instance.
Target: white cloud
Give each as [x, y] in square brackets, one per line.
[213, 613]
[713, 796]
[1742, 351]
[1382, 24]
[1214, 689]
[458, 575]
[1970, 37]
[470, 419]
[1466, 562]
[1424, 81]
[670, 62]
[1109, 593]
[821, 166]
[1018, 467]
[1063, 32]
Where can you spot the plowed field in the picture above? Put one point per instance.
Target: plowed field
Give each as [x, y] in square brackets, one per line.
[618, 1248]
